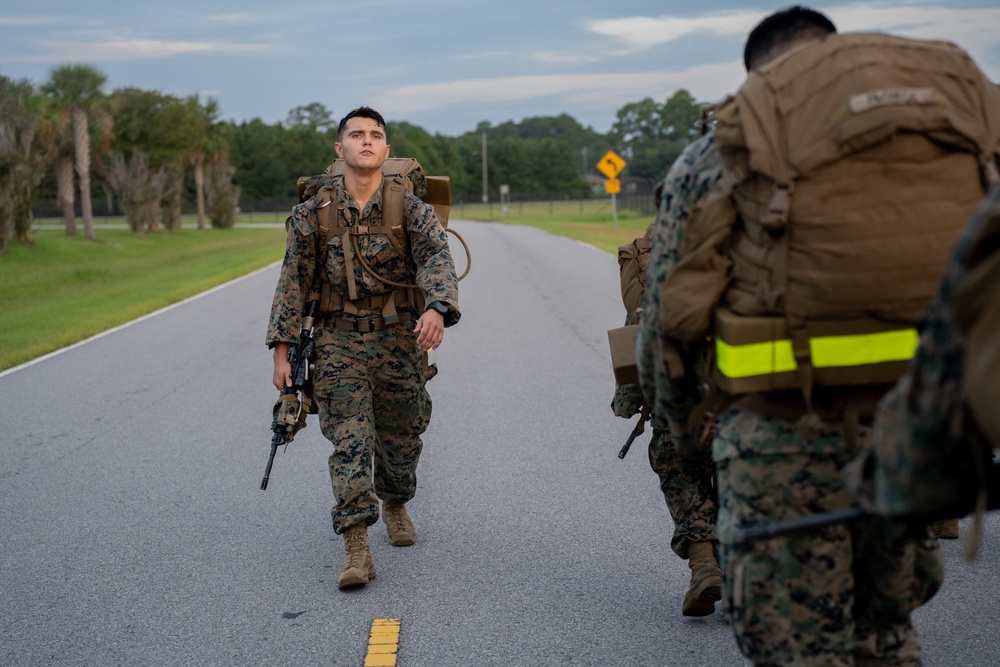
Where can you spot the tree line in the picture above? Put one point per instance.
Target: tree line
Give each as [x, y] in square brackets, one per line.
[67, 147]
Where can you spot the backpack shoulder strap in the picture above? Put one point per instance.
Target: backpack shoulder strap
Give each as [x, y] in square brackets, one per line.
[393, 194]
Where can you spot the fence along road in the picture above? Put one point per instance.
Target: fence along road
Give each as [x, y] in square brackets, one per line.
[135, 531]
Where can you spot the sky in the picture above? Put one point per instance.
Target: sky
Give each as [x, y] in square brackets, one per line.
[444, 65]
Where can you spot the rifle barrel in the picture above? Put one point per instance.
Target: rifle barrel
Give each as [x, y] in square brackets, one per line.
[768, 530]
[267, 470]
[628, 443]
[276, 441]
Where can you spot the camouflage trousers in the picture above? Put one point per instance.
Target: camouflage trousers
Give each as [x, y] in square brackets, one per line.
[834, 596]
[687, 488]
[373, 406]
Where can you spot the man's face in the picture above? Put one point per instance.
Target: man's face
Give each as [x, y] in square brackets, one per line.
[363, 144]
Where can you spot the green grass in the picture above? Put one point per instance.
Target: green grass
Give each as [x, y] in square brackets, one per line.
[590, 221]
[65, 289]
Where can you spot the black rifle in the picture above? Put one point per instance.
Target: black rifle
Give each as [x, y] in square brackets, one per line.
[979, 492]
[636, 432]
[769, 530]
[289, 414]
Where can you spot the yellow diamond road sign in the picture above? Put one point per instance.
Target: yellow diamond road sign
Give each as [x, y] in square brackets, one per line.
[611, 165]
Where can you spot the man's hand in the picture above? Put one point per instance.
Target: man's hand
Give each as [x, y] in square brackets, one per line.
[282, 368]
[429, 330]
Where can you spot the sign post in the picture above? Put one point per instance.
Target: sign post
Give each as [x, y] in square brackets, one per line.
[611, 165]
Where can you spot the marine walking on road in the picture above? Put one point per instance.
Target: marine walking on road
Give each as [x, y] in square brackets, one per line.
[781, 243]
[376, 258]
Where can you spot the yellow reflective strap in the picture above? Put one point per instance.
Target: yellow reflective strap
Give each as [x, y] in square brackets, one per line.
[769, 357]
[873, 348]
[740, 361]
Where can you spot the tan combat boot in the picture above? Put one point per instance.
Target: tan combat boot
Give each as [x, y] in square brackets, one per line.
[946, 529]
[359, 568]
[398, 525]
[706, 580]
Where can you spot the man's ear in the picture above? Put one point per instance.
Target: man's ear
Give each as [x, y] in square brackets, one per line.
[340, 149]
[387, 147]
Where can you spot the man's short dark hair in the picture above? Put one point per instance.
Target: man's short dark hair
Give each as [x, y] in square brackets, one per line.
[779, 29]
[362, 112]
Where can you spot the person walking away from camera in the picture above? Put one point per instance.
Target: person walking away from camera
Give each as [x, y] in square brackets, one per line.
[688, 486]
[832, 596]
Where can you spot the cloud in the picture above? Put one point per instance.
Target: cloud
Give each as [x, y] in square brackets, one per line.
[975, 29]
[707, 82]
[641, 32]
[128, 49]
[564, 58]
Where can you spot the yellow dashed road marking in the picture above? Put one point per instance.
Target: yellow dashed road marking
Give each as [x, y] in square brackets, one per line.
[383, 643]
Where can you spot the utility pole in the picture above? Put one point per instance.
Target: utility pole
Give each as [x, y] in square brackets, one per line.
[486, 196]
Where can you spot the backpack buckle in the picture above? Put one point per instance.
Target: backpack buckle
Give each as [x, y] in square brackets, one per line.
[776, 215]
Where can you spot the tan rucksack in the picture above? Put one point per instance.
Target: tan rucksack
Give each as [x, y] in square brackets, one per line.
[850, 166]
[633, 258]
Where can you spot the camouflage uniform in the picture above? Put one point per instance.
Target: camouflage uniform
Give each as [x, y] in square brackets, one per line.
[688, 180]
[836, 596]
[369, 387]
[687, 486]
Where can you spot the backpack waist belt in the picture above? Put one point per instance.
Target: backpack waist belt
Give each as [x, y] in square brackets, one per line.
[775, 356]
[755, 354]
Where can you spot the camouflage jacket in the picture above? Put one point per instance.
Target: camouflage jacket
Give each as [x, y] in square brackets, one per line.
[429, 266]
[689, 179]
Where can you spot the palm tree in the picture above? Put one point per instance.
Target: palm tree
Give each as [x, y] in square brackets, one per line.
[26, 150]
[207, 148]
[77, 89]
[63, 134]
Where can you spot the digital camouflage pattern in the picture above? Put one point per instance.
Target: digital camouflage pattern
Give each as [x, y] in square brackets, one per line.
[839, 595]
[819, 597]
[686, 485]
[627, 401]
[373, 406]
[688, 180]
[687, 488]
[369, 387]
[430, 264]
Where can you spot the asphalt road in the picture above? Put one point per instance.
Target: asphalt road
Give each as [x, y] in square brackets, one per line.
[135, 532]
